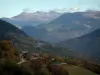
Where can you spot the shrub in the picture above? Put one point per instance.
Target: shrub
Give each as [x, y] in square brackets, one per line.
[43, 71]
[9, 68]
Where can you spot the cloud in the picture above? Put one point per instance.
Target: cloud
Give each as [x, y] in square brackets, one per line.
[18, 26]
[74, 9]
[28, 10]
[61, 10]
[88, 26]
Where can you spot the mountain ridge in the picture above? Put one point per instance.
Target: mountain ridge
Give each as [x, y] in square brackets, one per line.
[87, 44]
[32, 18]
[67, 26]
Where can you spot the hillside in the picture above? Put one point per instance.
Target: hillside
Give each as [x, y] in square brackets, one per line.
[87, 44]
[75, 70]
[16, 36]
[22, 42]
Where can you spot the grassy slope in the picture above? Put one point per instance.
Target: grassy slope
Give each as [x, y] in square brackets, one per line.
[74, 70]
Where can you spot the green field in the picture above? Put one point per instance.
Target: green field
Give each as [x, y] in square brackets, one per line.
[74, 70]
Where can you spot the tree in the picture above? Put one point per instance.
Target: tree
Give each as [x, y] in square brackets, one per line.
[7, 50]
[36, 65]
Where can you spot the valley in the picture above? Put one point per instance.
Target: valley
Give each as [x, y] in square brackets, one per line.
[50, 43]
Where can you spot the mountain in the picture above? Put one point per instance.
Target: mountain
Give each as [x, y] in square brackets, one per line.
[35, 32]
[16, 36]
[67, 26]
[32, 18]
[88, 44]
[22, 42]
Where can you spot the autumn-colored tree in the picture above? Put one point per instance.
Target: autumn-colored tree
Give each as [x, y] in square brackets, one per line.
[47, 59]
[59, 59]
[7, 50]
[5, 45]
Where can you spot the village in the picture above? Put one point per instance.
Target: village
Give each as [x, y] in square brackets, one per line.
[25, 56]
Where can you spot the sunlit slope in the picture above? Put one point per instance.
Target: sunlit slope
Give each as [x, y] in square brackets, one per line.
[75, 70]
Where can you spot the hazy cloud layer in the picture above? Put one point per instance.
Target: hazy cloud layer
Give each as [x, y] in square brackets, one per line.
[74, 9]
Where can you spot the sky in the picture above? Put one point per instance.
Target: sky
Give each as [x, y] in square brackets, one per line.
[10, 8]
